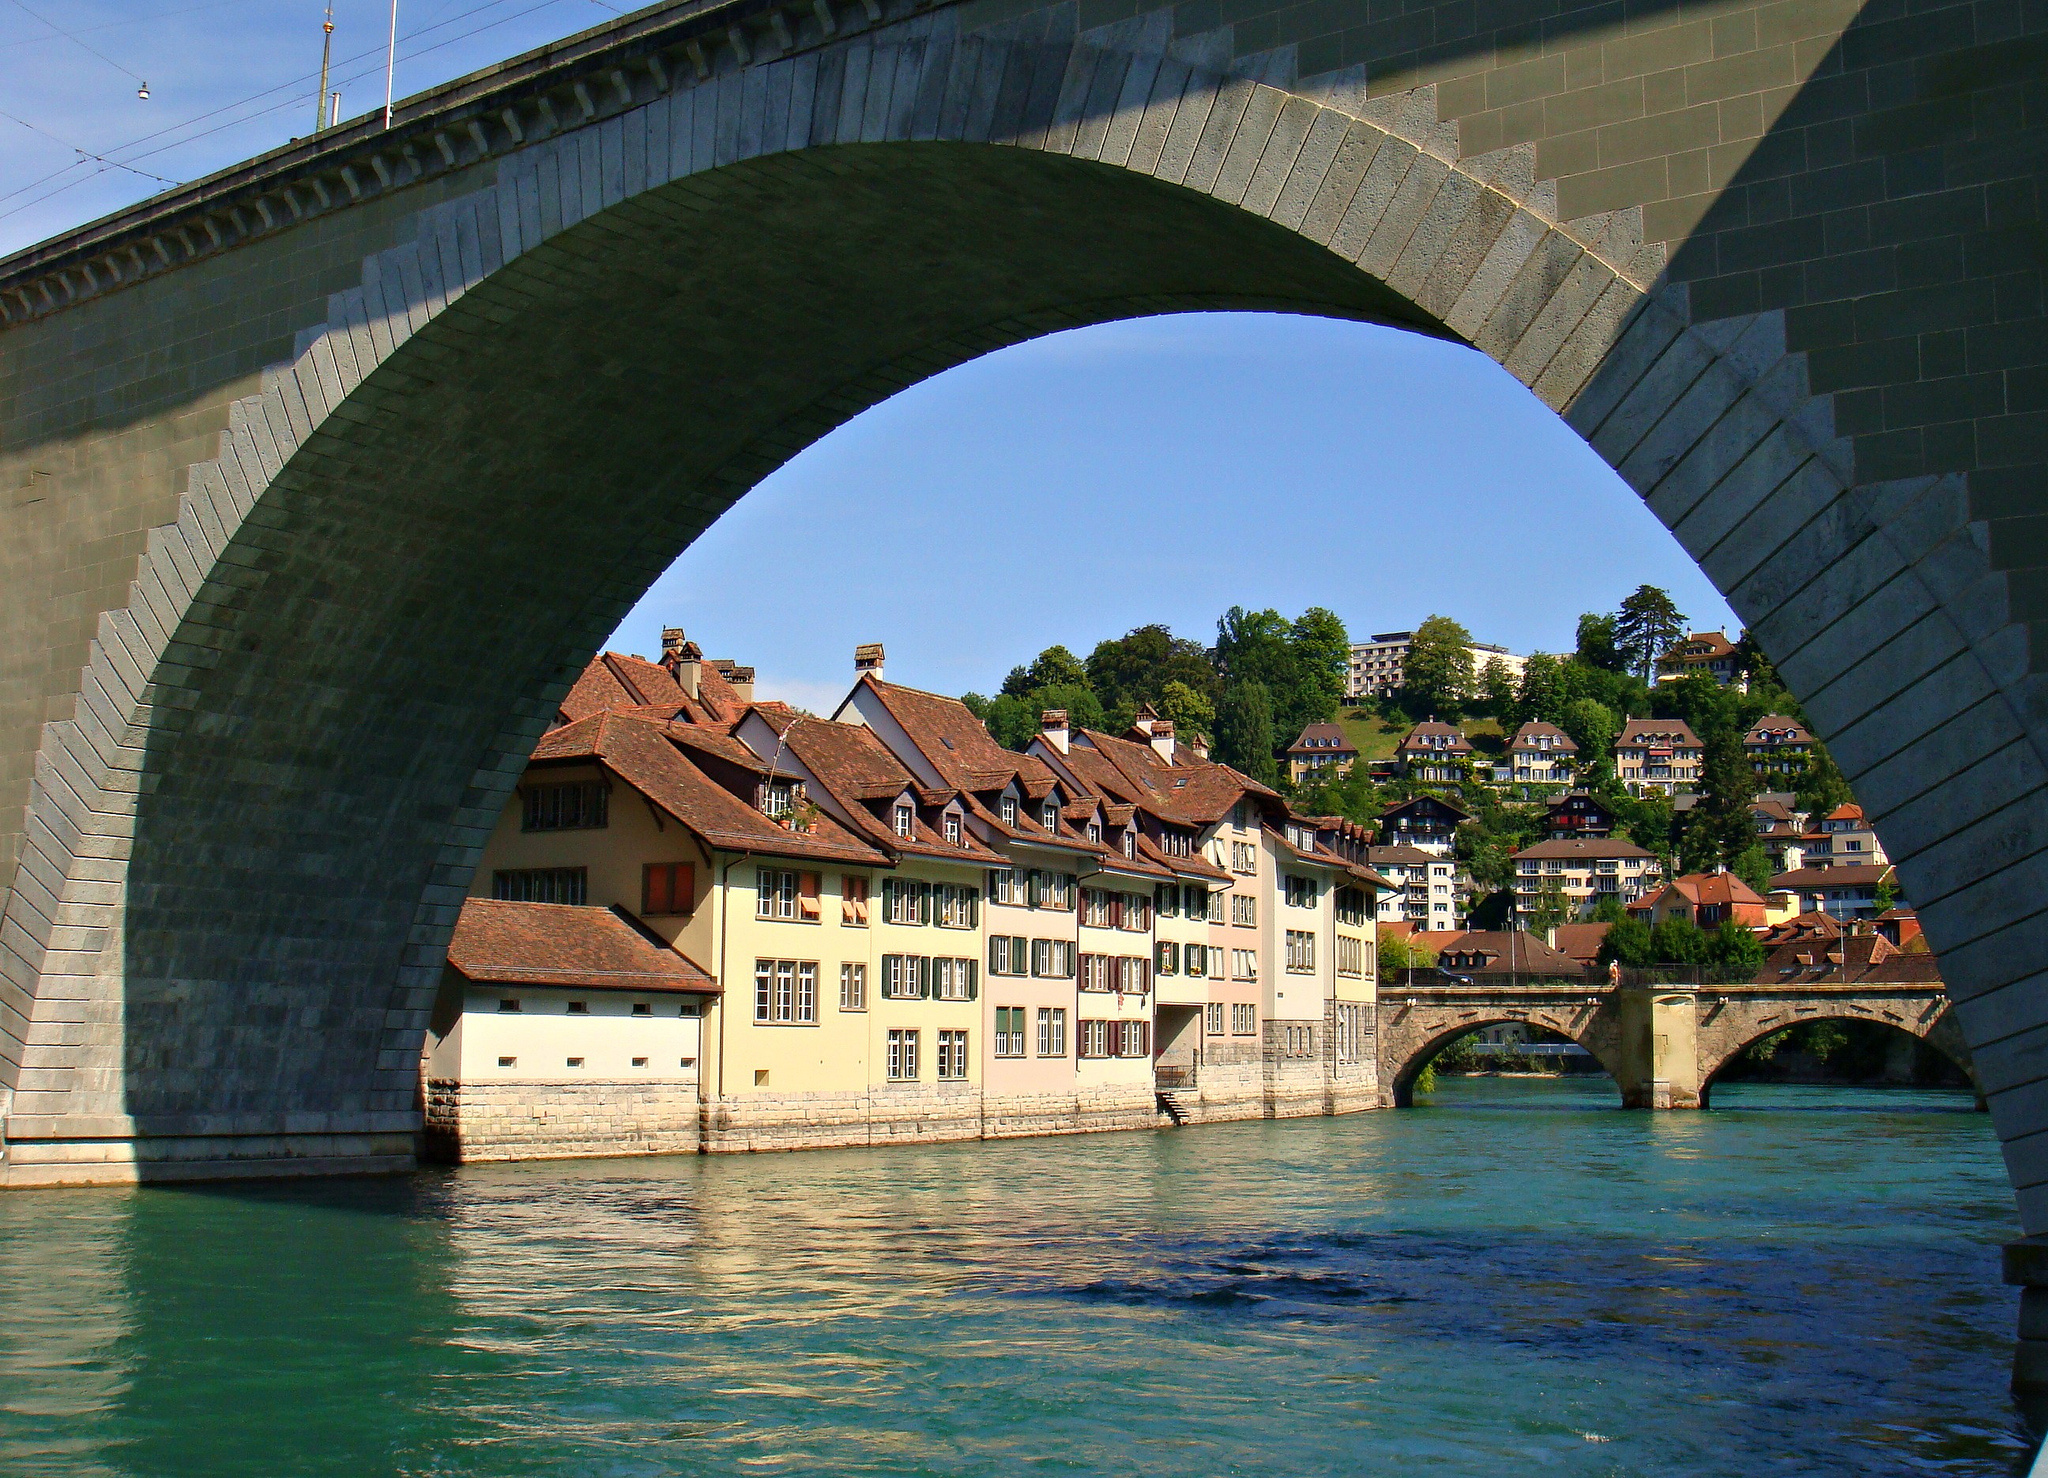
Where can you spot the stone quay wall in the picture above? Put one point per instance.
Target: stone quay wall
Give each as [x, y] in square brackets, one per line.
[576, 1118]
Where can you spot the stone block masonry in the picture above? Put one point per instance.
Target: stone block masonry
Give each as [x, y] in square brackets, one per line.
[570, 1119]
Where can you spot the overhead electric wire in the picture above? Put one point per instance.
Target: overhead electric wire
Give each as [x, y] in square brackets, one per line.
[73, 39]
[109, 162]
[117, 25]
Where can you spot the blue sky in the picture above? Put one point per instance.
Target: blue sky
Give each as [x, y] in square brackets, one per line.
[1164, 469]
[1060, 491]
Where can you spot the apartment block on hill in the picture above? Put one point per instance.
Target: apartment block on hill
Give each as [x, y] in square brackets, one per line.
[1379, 666]
[1708, 652]
[1581, 871]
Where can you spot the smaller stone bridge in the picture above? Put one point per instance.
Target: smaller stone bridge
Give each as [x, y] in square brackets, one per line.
[1664, 1044]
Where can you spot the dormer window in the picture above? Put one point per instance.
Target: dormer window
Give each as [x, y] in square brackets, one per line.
[1009, 810]
[1095, 832]
[906, 820]
[1049, 815]
[1130, 843]
[953, 827]
[780, 797]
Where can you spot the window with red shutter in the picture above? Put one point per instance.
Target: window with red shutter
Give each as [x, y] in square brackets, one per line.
[668, 888]
[807, 889]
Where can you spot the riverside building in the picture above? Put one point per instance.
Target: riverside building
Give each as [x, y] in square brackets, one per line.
[709, 923]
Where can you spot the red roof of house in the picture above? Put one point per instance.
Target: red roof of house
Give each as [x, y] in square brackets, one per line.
[1581, 941]
[1857, 959]
[1705, 889]
[1529, 733]
[1775, 728]
[1644, 732]
[562, 944]
[1809, 878]
[1506, 950]
[1431, 729]
[1331, 740]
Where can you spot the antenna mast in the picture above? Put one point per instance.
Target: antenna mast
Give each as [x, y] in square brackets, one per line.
[320, 103]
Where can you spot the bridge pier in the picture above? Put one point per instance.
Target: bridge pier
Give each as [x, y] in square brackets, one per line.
[1659, 1048]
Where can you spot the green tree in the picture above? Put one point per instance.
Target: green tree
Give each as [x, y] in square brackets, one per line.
[1436, 676]
[1735, 953]
[1351, 795]
[1056, 667]
[1610, 909]
[1540, 698]
[1140, 665]
[1244, 731]
[975, 704]
[1823, 787]
[1645, 628]
[1887, 896]
[1627, 942]
[1753, 866]
[1497, 691]
[1678, 942]
[1323, 650]
[1597, 643]
[1551, 907]
[1262, 647]
[1593, 728]
[1188, 710]
[1011, 720]
[1404, 952]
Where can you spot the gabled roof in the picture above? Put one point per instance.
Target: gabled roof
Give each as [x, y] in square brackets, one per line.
[946, 732]
[641, 754]
[1327, 739]
[1414, 802]
[1190, 790]
[559, 944]
[1569, 847]
[1644, 731]
[1529, 733]
[1700, 646]
[1856, 959]
[1400, 855]
[1704, 890]
[1506, 950]
[1775, 728]
[1580, 941]
[1431, 729]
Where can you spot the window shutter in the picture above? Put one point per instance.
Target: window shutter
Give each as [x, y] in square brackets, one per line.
[973, 896]
[973, 980]
[924, 903]
[654, 887]
[807, 894]
[923, 966]
[889, 899]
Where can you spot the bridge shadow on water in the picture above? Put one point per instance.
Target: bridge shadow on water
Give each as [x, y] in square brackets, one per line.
[1511, 1276]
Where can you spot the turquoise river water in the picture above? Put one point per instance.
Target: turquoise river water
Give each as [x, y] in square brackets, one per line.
[1514, 1278]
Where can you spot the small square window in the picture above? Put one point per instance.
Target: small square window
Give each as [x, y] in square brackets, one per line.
[508, 1004]
[686, 1062]
[579, 1008]
[575, 1062]
[639, 1062]
[760, 1077]
[643, 1008]
[508, 1062]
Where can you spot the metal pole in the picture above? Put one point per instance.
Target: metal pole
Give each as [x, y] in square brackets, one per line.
[326, 50]
[390, 60]
[333, 109]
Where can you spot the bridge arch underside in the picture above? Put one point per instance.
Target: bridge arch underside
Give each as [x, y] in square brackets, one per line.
[250, 826]
[1418, 1039]
[1725, 1036]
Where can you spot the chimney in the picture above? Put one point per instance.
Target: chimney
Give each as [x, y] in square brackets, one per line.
[687, 660]
[1146, 718]
[1052, 727]
[671, 646]
[1199, 743]
[867, 661]
[1162, 738]
[742, 680]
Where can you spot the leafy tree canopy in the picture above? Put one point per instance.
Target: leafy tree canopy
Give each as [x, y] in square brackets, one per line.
[1437, 676]
[1140, 665]
[1735, 952]
[1497, 691]
[1189, 710]
[1627, 942]
[1645, 628]
[1597, 643]
[1244, 730]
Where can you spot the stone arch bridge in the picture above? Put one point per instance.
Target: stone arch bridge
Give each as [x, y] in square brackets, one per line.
[1664, 1046]
[320, 477]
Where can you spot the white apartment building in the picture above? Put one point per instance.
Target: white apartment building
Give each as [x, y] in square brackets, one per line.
[1378, 665]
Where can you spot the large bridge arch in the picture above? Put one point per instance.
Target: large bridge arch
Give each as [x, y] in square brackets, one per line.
[1928, 1019]
[268, 724]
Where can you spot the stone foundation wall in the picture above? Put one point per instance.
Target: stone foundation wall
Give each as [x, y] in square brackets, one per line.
[470, 1122]
[562, 1120]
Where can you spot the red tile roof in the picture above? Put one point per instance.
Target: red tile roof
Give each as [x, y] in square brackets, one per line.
[641, 754]
[560, 944]
[1529, 733]
[1506, 950]
[1810, 878]
[1643, 732]
[1332, 741]
[1581, 941]
[1431, 729]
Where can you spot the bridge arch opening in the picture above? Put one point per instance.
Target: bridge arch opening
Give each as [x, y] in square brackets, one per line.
[1850, 1048]
[1402, 1070]
[544, 378]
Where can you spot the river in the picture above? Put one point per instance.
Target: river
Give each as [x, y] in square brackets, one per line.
[1512, 1278]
